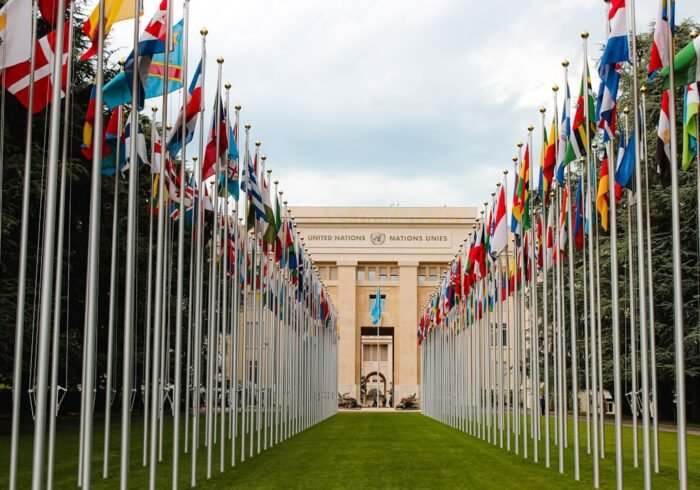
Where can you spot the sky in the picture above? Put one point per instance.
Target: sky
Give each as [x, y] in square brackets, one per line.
[391, 102]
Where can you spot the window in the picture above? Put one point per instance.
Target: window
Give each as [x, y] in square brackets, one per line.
[360, 273]
[433, 273]
[333, 273]
[371, 273]
[394, 273]
[322, 272]
[382, 274]
[373, 299]
[421, 274]
[504, 332]
[369, 353]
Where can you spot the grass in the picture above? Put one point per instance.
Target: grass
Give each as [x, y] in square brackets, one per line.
[371, 450]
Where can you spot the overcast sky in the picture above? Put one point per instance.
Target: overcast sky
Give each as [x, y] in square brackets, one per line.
[415, 103]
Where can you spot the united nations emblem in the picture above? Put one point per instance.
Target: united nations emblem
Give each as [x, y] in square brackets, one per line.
[377, 238]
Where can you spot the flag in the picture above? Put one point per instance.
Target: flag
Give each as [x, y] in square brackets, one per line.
[112, 141]
[564, 220]
[15, 32]
[616, 51]
[499, 235]
[192, 107]
[578, 143]
[579, 215]
[16, 78]
[280, 241]
[377, 308]
[515, 226]
[114, 11]
[663, 143]
[88, 128]
[270, 231]
[626, 164]
[663, 30]
[49, 10]
[118, 90]
[233, 188]
[602, 200]
[139, 140]
[550, 161]
[524, 191]
[690, 124]
[564, 133]
[212, 155]
[256, 209]
[549, 259]
[152, 41]
[686, 65]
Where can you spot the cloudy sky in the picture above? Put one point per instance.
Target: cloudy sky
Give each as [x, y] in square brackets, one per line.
[408, 102]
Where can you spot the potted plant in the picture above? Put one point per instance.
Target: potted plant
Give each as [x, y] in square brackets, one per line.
[408, 403]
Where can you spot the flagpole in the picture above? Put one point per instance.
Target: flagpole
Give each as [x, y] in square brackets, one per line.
[545, 296]
[196, 397]
[534, 357]
[54, 403]
[177, 390]
[679, 338]
[22, 273]
[47, 256]
[650, 282]
[640, 261]
[160, 257]
[91, 285]
[113, 292]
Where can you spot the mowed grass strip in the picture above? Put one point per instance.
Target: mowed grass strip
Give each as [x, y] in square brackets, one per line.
[368, 450]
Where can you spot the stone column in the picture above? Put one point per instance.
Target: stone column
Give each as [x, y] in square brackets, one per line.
[406, 354]
[347, 355]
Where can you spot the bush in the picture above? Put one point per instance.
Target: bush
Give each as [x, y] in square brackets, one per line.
[347, 401]
[409, 403]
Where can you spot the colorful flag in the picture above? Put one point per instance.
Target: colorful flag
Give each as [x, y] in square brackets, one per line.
[626, 164]
[151, 42]
[602, 201]
[579, 215]
[550, 162]
[112, 144]
[192, 107]
[15, 32]
[524, 191]
[217, 134]
[515, 226]
[564, 133]
[663, 143]
[16, 78]
[256, 210]
[690, 124]
[578, 143]
[270, 233]
[118, 90]
[114, 11]
[499, 235]
[49, 10]
[564, 220]
[139, 140]
[663, 30]
[549, 259]
[377, 308]
[686, 65]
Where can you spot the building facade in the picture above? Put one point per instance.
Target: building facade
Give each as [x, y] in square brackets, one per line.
[397, 253]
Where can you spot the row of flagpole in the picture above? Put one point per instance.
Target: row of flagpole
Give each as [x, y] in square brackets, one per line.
[486, 320]
[255, 341]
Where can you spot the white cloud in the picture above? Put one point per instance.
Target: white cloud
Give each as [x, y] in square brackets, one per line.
[379, 102]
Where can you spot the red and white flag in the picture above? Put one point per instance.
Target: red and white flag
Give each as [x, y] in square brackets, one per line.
[499, 234]
[16, 80]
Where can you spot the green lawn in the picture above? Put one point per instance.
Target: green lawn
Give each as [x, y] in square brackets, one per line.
[370, 450]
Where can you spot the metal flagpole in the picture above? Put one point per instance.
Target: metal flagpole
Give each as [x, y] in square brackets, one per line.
[113, 292]
[130, 279]
[545, 296]
[650, 282]
[640, 261]
[199, 259]
[677, 278]
[92, 269]
[592, 400]
[572, 311]
[534, 331]
[22, 272]
[177, 389]
[44, 336]
[156, 402]
[54, 403]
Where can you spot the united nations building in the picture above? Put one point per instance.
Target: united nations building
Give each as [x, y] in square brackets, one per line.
[402, 252]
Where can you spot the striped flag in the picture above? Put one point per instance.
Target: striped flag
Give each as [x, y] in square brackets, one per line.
[663, 30]
[15, 32]
[690, 124]
[114, 11]
[564, 133]
[499, 235]
[663, 142]
[192, 107]
[578, 142]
